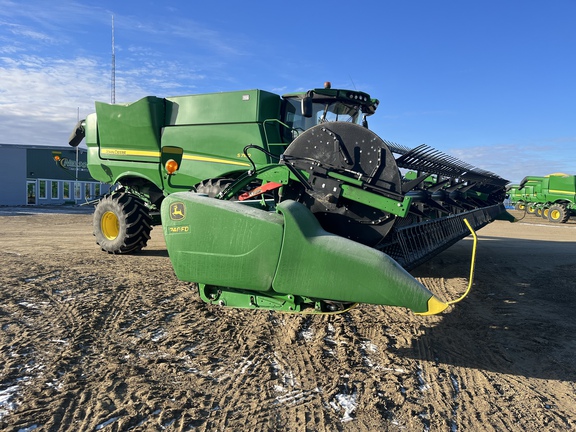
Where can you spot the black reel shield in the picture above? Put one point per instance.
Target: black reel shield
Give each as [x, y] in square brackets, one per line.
[335, 154]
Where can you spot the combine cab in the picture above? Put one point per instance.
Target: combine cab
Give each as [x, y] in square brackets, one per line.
[286, 203]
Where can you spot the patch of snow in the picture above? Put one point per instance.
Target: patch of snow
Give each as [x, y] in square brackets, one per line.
[106, 423]
[286, 376]
[398, 370]
[455, 384]
[246, 364]
[55, 385]
[6, 400]
[368, 346]
[158, 335]
[422, 385]
[307, 334]
[28, 305]
[29, 428]
[347, 402]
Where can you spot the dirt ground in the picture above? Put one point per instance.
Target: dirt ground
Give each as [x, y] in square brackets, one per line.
[92, 342]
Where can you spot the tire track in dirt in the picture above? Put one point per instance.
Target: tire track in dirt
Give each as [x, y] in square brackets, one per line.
[239, 375]
[96, 322]
[488, 345]
[44, 328]
[135, 327]
[299, 394]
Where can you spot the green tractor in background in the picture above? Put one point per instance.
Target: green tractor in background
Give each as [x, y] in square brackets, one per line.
[281, 202]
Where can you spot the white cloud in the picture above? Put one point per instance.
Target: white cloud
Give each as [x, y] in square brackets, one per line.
[40, 97]
[28, 33]
[516, 161]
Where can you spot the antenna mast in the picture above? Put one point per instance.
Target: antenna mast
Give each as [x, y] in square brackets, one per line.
[113, 77]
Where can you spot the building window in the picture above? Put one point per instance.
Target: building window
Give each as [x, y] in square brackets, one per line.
[43, 192]
[87, 193]
[55, 189]
[77, 190]
[31, 190]
[66, 190]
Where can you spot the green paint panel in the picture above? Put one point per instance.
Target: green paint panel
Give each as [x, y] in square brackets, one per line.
[227, 244]
[317, 264]
[230, 107]
[221, 243]
[128, 131]
[112, 172]
[249, 299]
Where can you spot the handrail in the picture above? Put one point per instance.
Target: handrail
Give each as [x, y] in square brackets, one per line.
[266, 134]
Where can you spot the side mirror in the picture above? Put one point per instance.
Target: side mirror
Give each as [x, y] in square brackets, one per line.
[306, 105]
[78, 134]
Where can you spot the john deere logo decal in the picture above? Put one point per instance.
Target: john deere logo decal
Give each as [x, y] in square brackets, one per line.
[177, 212]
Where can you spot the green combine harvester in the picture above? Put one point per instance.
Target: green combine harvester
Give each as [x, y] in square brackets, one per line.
[284, 203]
[552, 197]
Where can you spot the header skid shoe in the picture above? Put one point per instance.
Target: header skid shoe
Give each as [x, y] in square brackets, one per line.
[246, 257]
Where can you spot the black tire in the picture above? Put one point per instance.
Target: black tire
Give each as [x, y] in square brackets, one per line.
[520, 205]
[531, 208]
[213, 187]
[122, 223]
[545, 212]
[558, 213]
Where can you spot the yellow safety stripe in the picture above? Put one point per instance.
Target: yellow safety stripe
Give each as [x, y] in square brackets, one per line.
[154, 154]
[123, 152]
[208, 159]
[561, 192]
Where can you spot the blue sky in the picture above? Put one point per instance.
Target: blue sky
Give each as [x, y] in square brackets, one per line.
[490, 82]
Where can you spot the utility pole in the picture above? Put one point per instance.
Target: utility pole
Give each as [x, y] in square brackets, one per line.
[113, 77]
[77, 120]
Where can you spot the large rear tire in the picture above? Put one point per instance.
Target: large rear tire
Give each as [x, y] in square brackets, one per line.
[122, 223]
[558, 213]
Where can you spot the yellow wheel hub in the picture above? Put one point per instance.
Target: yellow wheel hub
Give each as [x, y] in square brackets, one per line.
[555, 215]
[110, 225]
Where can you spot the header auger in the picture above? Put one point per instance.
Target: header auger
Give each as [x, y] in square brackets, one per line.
[285, 203]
